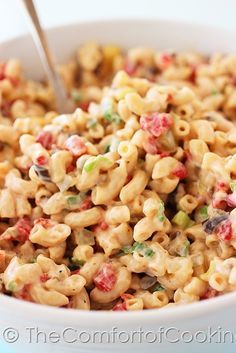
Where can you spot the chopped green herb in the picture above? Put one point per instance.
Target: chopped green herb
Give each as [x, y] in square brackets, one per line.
[94, 162]
[11, 286]
[89, 166]
[233, 186]
[92, 123]
[72, 200]
[127, 250]
[76, 95]
[107, 149]
[149, 252]
[158, 288]
[75, 264]
[76, 199]
[33, 259]
[214, 92]
[184, 250]
[140, 248]
[203, 211]
[191, 223]
[81, 162]
[160, 213]
[112, 117]
[182, 220]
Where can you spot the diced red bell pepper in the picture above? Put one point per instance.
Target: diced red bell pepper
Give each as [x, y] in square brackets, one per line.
[224, 231]
[75, 145]
[86, 204]
[23, 227]
[180, 171]
[45, 138]
[106, 278]
[41, 160]
[156, 123]
[44, 277]
[120, 307]
[210, 293]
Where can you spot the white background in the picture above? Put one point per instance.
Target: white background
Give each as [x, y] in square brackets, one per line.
[53, 12]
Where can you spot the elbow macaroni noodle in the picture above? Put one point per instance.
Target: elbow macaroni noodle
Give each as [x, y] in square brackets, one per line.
[129, 203]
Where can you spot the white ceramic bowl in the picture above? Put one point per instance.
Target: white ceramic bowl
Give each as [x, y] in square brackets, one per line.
[72, 328]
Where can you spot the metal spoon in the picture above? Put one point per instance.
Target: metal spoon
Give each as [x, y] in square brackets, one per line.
[63, 103]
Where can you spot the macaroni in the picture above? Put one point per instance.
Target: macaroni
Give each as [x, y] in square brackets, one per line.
[129, 202]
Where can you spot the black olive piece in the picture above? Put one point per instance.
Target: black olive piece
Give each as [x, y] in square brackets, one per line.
[42, 173]
[212, 223]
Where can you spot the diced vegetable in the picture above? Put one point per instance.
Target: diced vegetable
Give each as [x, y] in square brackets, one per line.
[23, 227]
[94, 162]
[106, 278]
[180, 171]
[211, 224]
[160, 213]
[44, 277]
[75, 145]
[120, 307]
[182, 220]
[72, 200]
[108, 111]
[41, 160]
[90, 164]
[42, 173]
[141, 248]
[224, 231]
[149, 252]
[158, 288]
[233, 186]
[77, 262]
[76, 199]
[156, 123]
[204, 211]
[92, 123]
[11, 286]
[45, 138]
[112, 117]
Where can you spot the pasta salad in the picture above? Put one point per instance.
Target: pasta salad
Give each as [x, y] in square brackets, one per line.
[129, 203]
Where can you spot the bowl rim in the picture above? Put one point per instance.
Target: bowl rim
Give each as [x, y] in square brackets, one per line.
[128, 20]
[25, 309]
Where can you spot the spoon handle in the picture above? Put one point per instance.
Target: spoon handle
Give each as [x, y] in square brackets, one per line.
[41, 43]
